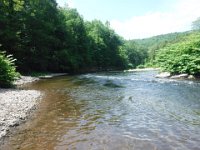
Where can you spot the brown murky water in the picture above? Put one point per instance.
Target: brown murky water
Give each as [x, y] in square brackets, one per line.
[112, 111]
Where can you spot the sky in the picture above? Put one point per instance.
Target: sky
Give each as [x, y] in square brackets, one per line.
[136, 19]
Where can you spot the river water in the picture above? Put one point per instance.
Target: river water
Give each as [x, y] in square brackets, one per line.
[114, 111]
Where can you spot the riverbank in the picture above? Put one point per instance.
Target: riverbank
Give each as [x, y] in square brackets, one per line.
[16, 105]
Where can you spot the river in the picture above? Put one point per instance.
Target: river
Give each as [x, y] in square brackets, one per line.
[114, 111]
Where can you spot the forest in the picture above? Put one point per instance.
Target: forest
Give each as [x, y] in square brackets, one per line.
[39, 36]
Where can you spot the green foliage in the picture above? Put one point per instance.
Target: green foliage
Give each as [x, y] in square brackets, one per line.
[154, 44]
[28, 29]
[181, 57]
[7, 70]
[45, 38]
[136, 54]
[140, 66]
[175, 52]
[105, 46]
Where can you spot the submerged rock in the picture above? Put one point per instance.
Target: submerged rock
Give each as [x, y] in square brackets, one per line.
[163, 75]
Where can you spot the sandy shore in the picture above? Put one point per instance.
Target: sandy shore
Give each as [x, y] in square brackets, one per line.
[16, 105]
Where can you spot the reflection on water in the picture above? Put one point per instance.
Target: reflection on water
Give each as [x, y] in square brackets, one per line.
[113, 111]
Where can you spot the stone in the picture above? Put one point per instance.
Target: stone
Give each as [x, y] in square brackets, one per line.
[180, 76]
[163, 75]
[191, 77]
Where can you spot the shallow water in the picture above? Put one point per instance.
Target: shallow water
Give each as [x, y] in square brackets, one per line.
[113, 110]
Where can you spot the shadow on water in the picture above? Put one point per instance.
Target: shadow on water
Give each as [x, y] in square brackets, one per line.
[113, 111]
[112, 84]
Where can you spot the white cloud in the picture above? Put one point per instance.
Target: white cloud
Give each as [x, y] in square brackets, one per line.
[155, 23]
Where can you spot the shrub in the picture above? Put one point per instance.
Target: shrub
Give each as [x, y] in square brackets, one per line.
[181, 57]
[7, 70]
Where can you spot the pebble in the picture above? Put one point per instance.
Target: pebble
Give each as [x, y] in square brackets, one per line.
[16, 104]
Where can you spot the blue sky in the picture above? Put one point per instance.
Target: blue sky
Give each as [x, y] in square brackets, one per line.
[139, 18]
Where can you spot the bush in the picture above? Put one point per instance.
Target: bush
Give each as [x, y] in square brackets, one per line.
[181, 57]
[7, 70]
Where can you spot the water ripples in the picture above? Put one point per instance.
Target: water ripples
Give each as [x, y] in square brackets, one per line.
[116, 111]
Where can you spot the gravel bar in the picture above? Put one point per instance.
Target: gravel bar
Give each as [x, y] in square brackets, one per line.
[16, 105]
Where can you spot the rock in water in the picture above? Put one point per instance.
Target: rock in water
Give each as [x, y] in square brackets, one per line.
[181, 76]
[191, 77]
[163, 75]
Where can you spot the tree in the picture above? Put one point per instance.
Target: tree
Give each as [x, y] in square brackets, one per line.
[75, 44]
[105, 45]
[44, 37]
[136, 54]
[10, 24]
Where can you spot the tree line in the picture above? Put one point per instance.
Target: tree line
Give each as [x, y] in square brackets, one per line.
[44, 37]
